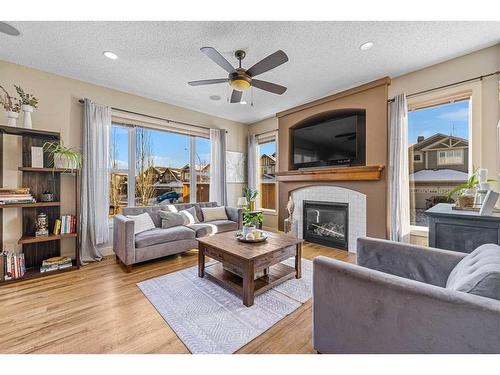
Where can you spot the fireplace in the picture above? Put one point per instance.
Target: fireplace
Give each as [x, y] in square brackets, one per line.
[326, 223]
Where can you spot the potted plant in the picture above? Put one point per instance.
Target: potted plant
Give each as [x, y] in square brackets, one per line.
[63, 157]
[467, 191]
[251, 195]
[28, 104]
[11, 105]
[251, 220]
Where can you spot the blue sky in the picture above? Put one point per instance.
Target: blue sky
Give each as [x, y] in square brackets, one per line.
[267, 148]
[168, 149]
[446, 119]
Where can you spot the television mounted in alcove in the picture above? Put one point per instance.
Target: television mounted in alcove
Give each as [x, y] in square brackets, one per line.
[336, 138]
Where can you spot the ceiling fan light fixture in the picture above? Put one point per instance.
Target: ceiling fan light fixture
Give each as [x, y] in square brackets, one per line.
[239, 84]
[366, 46]
[110, 55]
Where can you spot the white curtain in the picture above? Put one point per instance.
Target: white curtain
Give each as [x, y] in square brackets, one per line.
[399, 187]
[252, 161]
[94, 199]
[218, 192]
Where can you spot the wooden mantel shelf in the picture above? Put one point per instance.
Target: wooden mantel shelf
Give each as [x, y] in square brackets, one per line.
[362, 173]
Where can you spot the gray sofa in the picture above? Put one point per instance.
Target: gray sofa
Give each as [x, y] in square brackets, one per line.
[158, 242]
[396, 300]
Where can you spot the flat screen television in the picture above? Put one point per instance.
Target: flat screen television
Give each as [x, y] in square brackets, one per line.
[335, 140]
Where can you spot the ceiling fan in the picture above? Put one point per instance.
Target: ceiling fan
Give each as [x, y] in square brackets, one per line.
[241, 79]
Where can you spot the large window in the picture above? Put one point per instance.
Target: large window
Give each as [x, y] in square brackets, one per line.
[267, 173]
[158, 165]
[119, 164]
[439, 149]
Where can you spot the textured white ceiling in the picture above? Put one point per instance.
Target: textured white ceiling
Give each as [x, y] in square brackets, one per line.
[157, 59]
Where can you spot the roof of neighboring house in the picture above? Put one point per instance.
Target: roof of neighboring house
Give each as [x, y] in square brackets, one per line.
[433, 139]
[272, 157]
[438, 175]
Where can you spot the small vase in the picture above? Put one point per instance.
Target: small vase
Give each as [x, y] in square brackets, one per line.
[251, 205]
[27, 109]
[247, 230]
[61, 161]
[12, 118]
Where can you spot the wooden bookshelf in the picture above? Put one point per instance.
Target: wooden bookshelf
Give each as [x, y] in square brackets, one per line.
[50, 237]
[31, 205]
[52, 170]
[36, 249]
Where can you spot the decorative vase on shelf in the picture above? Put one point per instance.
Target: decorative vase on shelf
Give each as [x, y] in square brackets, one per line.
[251, 205]
[27, 109]
[12, 118]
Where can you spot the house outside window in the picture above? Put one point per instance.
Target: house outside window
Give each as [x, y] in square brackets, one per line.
[267, 172]
[438, 154]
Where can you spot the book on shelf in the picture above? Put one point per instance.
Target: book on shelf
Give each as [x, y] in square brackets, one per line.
[12, 265]
[68, 224]
[57, 227]
[56, 263]
[16, 196]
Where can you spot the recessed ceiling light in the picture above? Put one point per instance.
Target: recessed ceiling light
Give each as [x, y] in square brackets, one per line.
[366, 46]
[8, 29]
[214, 97]
[243, 102]
[110, 55]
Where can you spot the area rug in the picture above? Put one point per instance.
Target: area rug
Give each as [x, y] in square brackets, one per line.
[210, 319]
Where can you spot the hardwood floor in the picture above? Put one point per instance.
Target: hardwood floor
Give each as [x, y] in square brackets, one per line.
[99, 309]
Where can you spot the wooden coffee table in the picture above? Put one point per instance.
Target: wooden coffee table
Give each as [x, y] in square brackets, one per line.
[245, 260]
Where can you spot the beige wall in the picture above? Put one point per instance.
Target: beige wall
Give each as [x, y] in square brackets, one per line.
[484, 123]
[59, 110]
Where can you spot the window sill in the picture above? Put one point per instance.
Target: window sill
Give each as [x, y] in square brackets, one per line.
[267, 211]
[419, 231]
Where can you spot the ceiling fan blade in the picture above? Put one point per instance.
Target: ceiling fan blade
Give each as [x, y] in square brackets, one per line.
[236, 96]
[268, 86]
[208, 81]
[270, 62]
[217, 58]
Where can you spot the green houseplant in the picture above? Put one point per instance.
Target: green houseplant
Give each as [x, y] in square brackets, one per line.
[251, 195]
[251, 220]
[11, 105]
[63, 157]
[466, 190]
[28, 104]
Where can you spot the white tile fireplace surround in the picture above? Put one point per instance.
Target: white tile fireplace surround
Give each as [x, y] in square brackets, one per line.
[355, 199]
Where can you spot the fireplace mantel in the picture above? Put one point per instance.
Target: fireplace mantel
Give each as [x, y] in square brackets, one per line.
[362, 173]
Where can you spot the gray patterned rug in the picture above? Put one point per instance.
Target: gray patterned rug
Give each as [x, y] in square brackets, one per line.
[210, 319]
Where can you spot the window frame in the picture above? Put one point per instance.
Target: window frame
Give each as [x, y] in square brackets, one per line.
[264, 138]
[453, 162]
[470, 92]
[133, 122]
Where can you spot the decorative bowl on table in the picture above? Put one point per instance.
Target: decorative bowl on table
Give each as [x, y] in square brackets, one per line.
[252, 237]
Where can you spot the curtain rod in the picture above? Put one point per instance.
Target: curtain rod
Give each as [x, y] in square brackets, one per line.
[266, 132]
[81, 101]
[450, 84]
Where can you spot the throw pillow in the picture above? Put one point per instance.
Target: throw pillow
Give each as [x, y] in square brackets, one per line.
[172, 219]
[214, 213]
[142, 222]
[478, 273]
[190, 215]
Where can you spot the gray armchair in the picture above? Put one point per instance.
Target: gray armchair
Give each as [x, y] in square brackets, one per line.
[395, 301]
